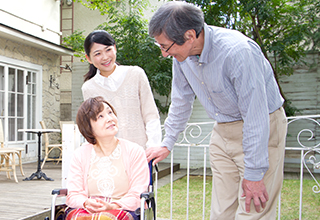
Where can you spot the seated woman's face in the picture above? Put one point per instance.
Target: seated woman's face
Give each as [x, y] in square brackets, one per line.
[106, 123]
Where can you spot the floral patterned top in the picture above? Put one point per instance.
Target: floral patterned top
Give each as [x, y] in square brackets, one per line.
[107, 176]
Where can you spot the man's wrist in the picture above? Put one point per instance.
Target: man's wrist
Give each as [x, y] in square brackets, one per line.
[254, 174]
[168, 143]
[163, 145]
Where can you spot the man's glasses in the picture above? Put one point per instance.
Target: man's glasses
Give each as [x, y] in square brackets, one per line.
[163, 49]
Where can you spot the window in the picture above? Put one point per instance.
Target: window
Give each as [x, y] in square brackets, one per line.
[20, 99]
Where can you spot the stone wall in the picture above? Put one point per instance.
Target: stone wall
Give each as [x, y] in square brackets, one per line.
[50, 63]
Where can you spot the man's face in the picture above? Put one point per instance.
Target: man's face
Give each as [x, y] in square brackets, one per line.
[180, 52]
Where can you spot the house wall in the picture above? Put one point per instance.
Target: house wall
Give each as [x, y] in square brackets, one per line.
[30, 32]
[50, 66]
[302, 88]
[37, 17]
[87, 20]
[77, 81]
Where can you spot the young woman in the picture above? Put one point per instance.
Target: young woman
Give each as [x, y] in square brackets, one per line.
[107, 174]
[125, 87]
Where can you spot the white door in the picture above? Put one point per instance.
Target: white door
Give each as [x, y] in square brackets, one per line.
[20, 103]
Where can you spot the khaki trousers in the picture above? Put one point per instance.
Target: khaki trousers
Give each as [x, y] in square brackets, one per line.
[226, 158]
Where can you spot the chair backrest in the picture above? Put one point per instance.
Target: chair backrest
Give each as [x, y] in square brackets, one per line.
[70, 141]
[65, 122]
[1, 135]
[44, 135]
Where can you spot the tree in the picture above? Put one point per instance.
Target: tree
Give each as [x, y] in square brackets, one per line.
[285, 30]
[134, 46]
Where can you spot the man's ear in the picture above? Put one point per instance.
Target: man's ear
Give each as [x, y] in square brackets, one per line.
[190, 35]
[88, 58]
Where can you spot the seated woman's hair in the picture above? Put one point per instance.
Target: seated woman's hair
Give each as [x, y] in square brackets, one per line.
[89, 110]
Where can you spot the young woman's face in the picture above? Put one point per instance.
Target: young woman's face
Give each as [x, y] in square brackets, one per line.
[103, 57]
[106, 124]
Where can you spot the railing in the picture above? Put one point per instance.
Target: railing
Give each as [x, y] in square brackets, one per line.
[307, 139]
[303, 135]
[196, 136]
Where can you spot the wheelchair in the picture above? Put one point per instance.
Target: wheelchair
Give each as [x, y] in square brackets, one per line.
[147, 210]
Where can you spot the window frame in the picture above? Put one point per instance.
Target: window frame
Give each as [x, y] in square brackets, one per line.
[21, 139]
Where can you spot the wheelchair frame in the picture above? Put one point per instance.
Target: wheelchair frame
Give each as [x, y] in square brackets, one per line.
[147, 199]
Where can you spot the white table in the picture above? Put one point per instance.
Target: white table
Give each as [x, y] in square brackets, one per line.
[39, 174]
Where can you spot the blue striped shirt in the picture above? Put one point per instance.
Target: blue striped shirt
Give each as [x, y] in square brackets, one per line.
[233, 81]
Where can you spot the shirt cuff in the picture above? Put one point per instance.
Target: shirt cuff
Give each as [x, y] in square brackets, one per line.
[168, 143]
[154, 134]
[254, 174]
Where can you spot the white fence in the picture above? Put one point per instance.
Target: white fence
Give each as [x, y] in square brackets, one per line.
[193, 145]
[303, 136]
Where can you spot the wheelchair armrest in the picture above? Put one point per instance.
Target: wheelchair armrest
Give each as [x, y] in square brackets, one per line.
[147, 195]
[60, 192]
[56, 193]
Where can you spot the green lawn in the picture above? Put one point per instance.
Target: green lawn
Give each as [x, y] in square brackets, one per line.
[289, 204]
[290, 200]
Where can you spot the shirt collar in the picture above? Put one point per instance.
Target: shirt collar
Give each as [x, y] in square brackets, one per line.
[206, 45]
[203, 58]
[101, 79]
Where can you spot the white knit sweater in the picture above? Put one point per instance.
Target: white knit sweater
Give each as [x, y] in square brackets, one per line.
[132, 100]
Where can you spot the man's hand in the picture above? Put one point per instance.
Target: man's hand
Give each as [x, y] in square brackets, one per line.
[255, 190]
[157, 153]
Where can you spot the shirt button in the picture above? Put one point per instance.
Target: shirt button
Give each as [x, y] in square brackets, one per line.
[202, 83]
[200, 64]
[217, 114]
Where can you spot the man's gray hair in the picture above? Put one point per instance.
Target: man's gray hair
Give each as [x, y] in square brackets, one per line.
[173, 19]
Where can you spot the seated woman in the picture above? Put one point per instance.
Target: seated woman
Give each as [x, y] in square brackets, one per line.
[108, 174]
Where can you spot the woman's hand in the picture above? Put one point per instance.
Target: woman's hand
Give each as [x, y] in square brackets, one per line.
[98, 205]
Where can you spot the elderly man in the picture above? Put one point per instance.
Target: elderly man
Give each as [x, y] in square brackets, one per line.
[235, 83]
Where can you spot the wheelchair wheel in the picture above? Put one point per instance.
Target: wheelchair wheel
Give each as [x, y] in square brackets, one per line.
[60, 213]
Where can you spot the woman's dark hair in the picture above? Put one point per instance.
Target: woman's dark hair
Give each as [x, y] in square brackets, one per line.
[174, 18]
[99, 37]
[88, 111]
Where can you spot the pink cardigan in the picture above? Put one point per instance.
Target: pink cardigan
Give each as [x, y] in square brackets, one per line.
[136, 166]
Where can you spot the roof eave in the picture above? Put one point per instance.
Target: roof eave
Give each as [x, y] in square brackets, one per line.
[30, 40]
